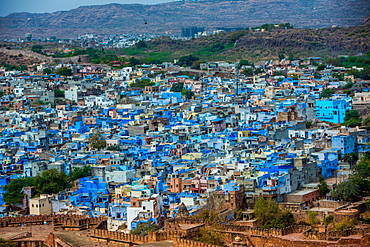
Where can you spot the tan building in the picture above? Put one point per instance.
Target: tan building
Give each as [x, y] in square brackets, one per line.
[41, 205]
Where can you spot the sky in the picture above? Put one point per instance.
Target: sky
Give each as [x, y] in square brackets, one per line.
[42, 6]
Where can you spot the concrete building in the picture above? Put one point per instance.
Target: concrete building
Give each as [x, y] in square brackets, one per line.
[41, 205]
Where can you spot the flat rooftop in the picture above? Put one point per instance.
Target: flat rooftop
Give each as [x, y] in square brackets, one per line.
[302, 192]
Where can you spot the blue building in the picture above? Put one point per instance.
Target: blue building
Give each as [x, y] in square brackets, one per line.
[346, 144]
[331, 110]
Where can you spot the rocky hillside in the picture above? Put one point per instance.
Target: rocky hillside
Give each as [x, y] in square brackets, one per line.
[170, 17]
[244, 44]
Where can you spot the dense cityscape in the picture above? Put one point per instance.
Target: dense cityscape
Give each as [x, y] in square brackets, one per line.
[102, 148]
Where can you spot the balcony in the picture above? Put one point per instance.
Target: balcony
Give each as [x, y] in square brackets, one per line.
[268, 188]
[269, 194]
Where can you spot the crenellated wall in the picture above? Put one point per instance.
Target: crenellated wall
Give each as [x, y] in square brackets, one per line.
[273, 241]
[29, 243]
[123, 238]
[190, 243]
[261, 232]
[107, 236]
[335, 235]
[66, 222]
[76, 224]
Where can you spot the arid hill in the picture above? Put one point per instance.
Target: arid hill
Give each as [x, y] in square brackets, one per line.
[169, 18]
[245, 44]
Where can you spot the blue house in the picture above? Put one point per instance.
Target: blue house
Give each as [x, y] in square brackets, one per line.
[346, 144]
[331, 110]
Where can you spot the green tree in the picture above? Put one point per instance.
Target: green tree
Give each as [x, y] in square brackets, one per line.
[217, 47]
[142, 83]
[347, 191]
[1, 94]
[177, 87]
[59, 93]
[320, 67]
[323, 187]
[244, 63]
[144, 228]
[348, 85]
[328, 219]
[352, 118]
[327, 93]
[22, 67]
[47, 71]
[133, 61]
[97, 141]
[317, 75]
[78, 173]
[366, 122]
[281, 56]
[141, 44]
[187, 61]
[269, 215]
[114, 148]
[277, 73]
[351, 158]
[51, 182]
[64, 71]
[187, 93]
[210, 236]
[312, 220]
[13, 191]
[248, 71]
[352, 114]
[37, 48]
[345, 224]
[361, 175]
[7, 243]
[208, 215]
[236, 35]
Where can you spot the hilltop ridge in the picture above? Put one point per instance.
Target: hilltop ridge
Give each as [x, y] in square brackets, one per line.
[169, 18]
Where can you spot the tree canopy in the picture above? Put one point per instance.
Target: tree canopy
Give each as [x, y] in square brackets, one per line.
[177, 87]
[323, 187]
[187, 93]
[144, 228]
[59, 93]
[327, 93]
[97, 141]
[187, 61]
[51, 182]
[7, 243]
[142, 83]
[78, 173]
[358, 184]
[64, 71]
[269, 215]
[13, 191]
[352, 118]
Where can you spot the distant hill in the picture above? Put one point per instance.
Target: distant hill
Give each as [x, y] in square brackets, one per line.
[169, 18]
[253, 46]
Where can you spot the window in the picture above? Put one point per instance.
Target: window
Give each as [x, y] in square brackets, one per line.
[33, 205]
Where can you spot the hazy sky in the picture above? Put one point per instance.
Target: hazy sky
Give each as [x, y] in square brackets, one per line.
[42, 6]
